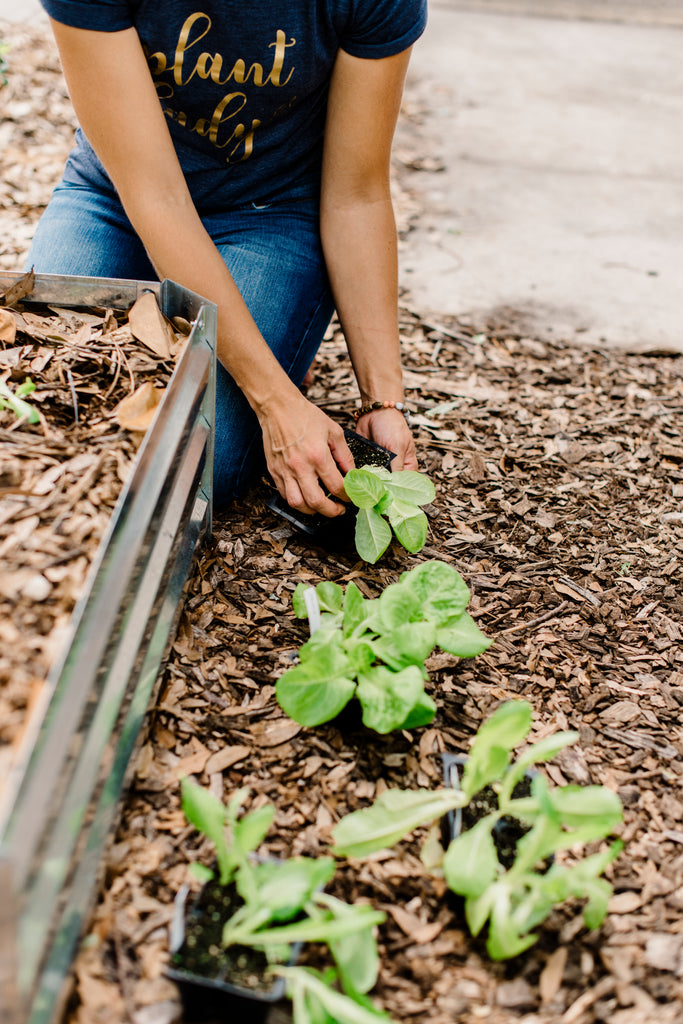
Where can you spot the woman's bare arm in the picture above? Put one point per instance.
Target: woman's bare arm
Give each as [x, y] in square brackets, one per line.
[113, 94]
[359, 234]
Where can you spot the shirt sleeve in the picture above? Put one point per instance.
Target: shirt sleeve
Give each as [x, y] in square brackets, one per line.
[99, 15]
[382, 28]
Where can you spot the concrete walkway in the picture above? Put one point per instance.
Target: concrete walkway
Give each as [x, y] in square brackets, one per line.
[20, 10]
[561, 194]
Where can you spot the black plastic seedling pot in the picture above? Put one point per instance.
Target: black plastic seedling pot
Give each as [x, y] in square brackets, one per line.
[506, 833]
[218, 983]
[337, 533]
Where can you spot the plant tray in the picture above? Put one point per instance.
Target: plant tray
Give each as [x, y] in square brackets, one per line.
[208, 986]
[336, 533]
[61, 801]
[506, 833]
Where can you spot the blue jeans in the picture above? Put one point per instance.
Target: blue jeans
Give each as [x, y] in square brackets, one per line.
[274, 254]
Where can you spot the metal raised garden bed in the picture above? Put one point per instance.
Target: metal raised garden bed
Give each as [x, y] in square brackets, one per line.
[60, 803]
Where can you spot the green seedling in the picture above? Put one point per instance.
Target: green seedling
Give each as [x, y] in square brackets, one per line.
[14, 400]
[516, 901]
[283, 904]
[4, 49]
[375, 649]
[388, 502]
[315, 1001]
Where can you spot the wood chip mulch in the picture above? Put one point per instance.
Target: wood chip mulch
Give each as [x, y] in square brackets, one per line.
[59, 481]
[559, 480]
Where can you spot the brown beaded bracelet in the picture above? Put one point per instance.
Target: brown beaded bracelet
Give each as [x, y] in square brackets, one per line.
[372, 406]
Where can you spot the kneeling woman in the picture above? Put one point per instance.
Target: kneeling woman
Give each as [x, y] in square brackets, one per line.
[243, 150]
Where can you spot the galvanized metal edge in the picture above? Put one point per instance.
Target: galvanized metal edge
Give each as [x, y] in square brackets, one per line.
[61, 806]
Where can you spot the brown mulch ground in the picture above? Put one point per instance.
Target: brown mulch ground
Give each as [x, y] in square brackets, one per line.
[559, 477]
[60, 479]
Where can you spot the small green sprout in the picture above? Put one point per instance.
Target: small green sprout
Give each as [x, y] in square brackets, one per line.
[14, 400]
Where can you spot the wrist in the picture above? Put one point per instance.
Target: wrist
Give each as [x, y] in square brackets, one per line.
[387, 404]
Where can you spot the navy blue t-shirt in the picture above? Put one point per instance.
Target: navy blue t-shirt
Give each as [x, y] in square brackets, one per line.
[244, 86]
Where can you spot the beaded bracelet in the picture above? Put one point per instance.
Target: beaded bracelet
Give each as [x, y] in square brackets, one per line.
[372, 406]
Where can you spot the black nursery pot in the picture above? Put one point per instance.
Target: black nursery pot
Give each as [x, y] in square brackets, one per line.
[508, 830]
[337, 533]
[217, 983]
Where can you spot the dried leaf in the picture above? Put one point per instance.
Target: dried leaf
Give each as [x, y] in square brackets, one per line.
[8, 327]
[137, 411]
[18, 291]
[149, 325]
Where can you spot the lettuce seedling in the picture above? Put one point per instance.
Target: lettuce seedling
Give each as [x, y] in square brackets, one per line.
[14, 400]
[284, 903]
[516, 901]
[375, 649]
[388, 502]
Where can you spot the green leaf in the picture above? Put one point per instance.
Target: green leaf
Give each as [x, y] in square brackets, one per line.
[411, 531]
[301, 981]
[392, 816]
[206, 812]
[545, 750]
[591, 812]
[471, 864]
[298, 603]
[285, 887]
[312, 701]
[330, 597]
[356, 609]
[495, 740]
[364, 489]
[388, 697]
[381, 471]
[463, 638]
[396, 606]
[421, 714]
[409, 644]
[355, 955]
[361, 656]
[488, 766]
[373, 535]
[251, 830]
[440, 590]
[15, 402]
[410, 486]
[201, 872]
[321, 929]
[478, 909]
[505, 939]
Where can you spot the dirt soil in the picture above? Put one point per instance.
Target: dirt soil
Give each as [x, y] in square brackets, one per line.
[559, 476]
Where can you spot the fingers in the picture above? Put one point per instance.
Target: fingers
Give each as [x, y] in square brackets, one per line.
[305, 469]
[389, 428]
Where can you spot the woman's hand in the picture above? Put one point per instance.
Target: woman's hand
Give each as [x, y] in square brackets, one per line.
[388, 427]
[306, 454]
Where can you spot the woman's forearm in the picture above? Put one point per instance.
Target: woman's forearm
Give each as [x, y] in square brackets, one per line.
[180, 249]
[359, 240]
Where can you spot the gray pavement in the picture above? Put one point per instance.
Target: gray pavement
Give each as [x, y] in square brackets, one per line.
[561, 194]
[20, 10]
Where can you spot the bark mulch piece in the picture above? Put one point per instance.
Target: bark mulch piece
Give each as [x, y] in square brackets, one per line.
[559, 479]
